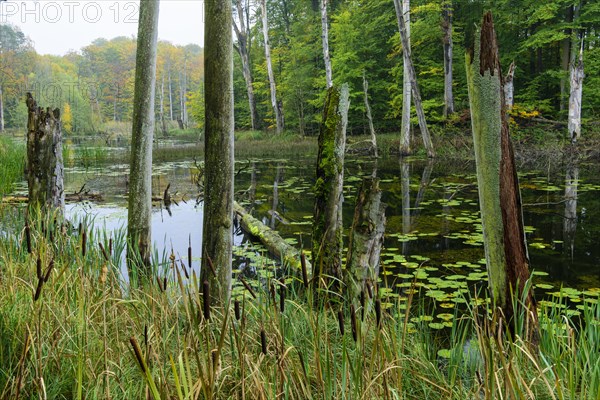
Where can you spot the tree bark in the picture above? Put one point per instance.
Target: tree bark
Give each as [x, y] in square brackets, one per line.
[325, 40]
[499, 195]
[327, 226]
[509, 87]
[217, 240]
[565, 56]
[45, 169]
[366, 237]
[577, 75]
[405, 145]
[369, 116]
[243, 38]
[413, 80]
[140, 174]
[162, 107]
[448, 50]
[274, 103]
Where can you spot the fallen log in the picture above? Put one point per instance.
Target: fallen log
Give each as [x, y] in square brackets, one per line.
[282, 250]
[69, 198]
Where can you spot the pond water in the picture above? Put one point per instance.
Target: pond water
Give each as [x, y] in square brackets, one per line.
[433, 230]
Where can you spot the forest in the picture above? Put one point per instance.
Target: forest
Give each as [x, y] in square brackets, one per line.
[327, 199]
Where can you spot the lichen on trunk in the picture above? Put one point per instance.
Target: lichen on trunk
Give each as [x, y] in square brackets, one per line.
[327, 227]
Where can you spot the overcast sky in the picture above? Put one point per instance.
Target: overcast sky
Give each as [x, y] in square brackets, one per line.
[57, 26]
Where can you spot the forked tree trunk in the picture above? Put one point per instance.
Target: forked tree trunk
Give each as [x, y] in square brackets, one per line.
[325, 40]
[217, 237]
[509, 87]
[45, 170]
[448, 50]
[577, 75]
[139, 225]
[499, 196]
[413, 80]
[275, 104]
[366, 237]
[369, 116]
[327, 225]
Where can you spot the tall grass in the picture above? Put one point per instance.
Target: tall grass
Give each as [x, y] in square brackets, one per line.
[12, 163]
[88, 335]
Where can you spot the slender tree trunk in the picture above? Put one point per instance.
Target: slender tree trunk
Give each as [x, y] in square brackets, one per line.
[499, 195]
[184, 102]
[369, 116]
[565, 57]
[509, 87]
[448, 50]
[45, 170]
[1, 110]
[139, 226]
[325, 40]
[366, 237]
[413, 80]
[243, 47]
[170, 94]
[162, 107]
[327, 226]
[217, 240]
[405, 145]
[577, 75]
[274, 103]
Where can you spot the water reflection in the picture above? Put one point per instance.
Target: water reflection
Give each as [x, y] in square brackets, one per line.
[570, 219]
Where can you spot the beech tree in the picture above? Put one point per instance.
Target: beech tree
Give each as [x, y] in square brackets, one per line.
[142, 133]
[217, 227]
[275, 104]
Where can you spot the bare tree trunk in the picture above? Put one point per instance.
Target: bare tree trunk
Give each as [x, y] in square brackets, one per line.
[405, 145]
[325, 39]
[577, 75]
[217, 240]
[170, 93]
[565, 56]
[45, 170]
[139, 224]
[369, 117]
[413, 80]
[185, 88]
[1, 110]
[327, 226]
[274, 103]
[162, 107]
[366, 237]
[448, 50]
[499, 195]
[509, 87]
[243, 38]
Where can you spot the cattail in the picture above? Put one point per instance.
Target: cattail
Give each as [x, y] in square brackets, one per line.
[38, 267]
[49, 270]
[340, 315]
[165, 282]
[110, 246]
[282, 298]
[378, 312]
[369, 290]
[362, 305]
[184, 270]
[211, 266]
[272, 292]
[190, 252]
[236, 309]
[38, 290]
[353, 322]
[304, 272]
[159, 283]
[145, 335]
[83, 243]
[138, 353]
[248, 288]
[28, 237]
[80, 229]
[103, 251]
[263, 341]
[206, 299]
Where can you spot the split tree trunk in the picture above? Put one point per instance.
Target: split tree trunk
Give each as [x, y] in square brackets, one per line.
[499, 196]
[217, 237]
[413, 80]
[366, 237]
[139, 224]
[448, 50]
[325, 39]
[327, 226]
[509, 87]
[45, 169]
[243, 38]
[577, 75]
[274, 103]
[369, 116]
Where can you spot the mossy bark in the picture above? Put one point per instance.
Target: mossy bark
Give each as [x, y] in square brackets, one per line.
[287, 254]
[217, 238]
[327, 225]
[499, 195]
[366, 237]
[45, 169]
[140, 175]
